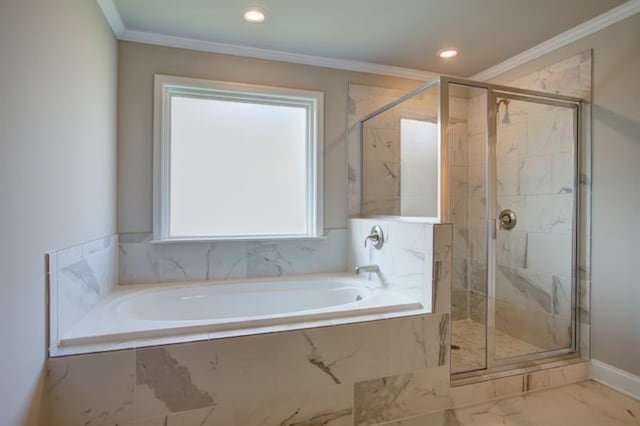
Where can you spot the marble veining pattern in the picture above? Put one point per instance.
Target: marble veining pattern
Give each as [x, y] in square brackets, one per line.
[535, 172]
[142, 261]
[301, 377]
[585, 403]
[170, 382]
[277, 379]
[79, 277]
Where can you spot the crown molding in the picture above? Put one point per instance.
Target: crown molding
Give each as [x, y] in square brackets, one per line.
[110, 12]
[585, 29]
[274, 55]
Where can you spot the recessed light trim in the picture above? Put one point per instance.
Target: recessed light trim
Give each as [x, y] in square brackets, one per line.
[448, 53]
[254, 15]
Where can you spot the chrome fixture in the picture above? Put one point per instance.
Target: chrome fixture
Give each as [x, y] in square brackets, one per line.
[372, 268]
[506, 119]
[507, 219]
[376, 236]
[367, 268]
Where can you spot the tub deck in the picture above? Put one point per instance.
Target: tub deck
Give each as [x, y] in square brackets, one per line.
[150, 314]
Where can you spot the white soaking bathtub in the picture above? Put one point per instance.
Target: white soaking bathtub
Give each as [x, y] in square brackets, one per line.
[141, 314]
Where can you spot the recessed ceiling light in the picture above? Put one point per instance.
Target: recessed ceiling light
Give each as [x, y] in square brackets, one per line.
[448, 53]
[254, 15]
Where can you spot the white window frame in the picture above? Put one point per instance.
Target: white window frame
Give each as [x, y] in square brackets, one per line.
[166, 86]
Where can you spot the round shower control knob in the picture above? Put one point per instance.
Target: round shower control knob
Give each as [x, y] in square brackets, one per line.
[507, 219]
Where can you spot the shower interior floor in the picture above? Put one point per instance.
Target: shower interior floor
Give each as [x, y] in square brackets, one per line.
[468, 346]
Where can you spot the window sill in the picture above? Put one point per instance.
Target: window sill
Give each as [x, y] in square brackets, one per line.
[240, 238]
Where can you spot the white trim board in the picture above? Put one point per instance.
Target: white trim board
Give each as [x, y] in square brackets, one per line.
[620, 380]
[274, 55]
[585, 29]
[111, 14]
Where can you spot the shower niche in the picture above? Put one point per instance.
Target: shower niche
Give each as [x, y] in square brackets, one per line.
[501, 164]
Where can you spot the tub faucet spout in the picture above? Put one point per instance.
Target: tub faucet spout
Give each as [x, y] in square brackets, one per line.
[367, 268]
[372, 268]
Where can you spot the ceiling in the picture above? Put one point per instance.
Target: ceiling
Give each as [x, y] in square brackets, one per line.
[402, 33]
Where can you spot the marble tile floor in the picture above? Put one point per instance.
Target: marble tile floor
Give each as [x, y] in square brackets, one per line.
[585, 403]
[468, 346]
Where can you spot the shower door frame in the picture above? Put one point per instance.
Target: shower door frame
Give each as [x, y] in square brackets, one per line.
[493, 92]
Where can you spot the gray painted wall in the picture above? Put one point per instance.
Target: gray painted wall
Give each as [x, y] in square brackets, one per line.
[57, 171]
[139, 62]
[616, 188]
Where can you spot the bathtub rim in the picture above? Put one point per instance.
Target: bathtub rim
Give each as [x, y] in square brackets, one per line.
[208, 331]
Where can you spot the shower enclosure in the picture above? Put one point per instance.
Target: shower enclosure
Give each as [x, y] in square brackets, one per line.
[500, 164]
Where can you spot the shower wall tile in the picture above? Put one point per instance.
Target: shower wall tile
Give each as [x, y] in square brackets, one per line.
[533, 325]
[477, 149]
[512, 139]
[525, 287]
[79, 277]
[381, 148]
[442, 264]
[562, 175]
[534, 175]
[458, 143]
[534, 178]
[478, 307]
[459, 304]
[460, 272]
[584, 302]
[478, 276]
[363, 100]
[550, 253]
[512, 249]
[142, 261]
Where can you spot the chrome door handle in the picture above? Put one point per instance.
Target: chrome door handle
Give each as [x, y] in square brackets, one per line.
[507, 219]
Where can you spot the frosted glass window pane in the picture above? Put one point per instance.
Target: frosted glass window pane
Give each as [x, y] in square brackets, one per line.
[419, 168]
[237, 168]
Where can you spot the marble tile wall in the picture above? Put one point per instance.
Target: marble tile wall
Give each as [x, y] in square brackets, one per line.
[79, 277]
[380, 147]
[477, 205]
[381, 153]
[459, 217]
[142, 261]
[535, 178]
[360, 373]
[534, 173]
[404, 259]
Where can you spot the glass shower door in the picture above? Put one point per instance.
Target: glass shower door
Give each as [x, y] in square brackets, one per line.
[533, 208]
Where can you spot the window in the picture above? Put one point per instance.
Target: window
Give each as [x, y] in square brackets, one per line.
[236, 161]
[419, 154]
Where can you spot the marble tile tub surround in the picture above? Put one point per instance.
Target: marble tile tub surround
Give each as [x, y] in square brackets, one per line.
[405, 259]
[142, 261]
[337, 376]
[79, 276]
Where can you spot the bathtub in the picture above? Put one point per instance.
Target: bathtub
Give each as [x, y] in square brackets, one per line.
[139, 315]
